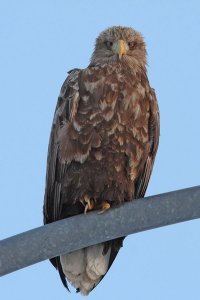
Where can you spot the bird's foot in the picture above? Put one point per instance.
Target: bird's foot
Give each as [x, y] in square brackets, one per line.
[104, 206]
[87, 203]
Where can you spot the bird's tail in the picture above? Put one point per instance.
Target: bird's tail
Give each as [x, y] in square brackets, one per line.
[85, 268]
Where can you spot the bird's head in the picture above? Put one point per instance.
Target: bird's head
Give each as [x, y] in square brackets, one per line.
[119, 44]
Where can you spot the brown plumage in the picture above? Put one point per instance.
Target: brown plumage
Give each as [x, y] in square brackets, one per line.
[102, 146]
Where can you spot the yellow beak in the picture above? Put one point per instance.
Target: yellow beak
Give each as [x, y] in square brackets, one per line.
[120, 48]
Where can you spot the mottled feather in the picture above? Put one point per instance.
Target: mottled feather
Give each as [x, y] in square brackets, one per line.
[103, 143]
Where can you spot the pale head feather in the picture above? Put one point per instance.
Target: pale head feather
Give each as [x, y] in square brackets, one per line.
[103, 53]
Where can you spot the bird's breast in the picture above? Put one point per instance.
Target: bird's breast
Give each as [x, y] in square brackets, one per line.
[111, 116]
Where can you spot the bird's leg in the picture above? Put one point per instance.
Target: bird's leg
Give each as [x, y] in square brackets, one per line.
[105, 205]
[87, 202]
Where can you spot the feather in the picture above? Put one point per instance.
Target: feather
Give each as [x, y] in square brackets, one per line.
[102, 147]
[85, 268]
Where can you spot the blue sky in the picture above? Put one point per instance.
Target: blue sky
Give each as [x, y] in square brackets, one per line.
[41, 41]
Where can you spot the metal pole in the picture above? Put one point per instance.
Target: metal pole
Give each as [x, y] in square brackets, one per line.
[81, 231]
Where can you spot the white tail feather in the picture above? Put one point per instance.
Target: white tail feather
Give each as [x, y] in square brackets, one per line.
[84, 268]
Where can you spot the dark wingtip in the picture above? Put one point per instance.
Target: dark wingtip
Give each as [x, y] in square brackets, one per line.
[62, 275]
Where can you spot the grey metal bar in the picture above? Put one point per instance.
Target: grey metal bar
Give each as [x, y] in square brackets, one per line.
[81, 231]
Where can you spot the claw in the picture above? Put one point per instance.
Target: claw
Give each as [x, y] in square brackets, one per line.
[104, 206]
[87, 203]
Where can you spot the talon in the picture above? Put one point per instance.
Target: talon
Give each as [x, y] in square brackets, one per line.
[104, 206]
[86, 208]
[87, 202]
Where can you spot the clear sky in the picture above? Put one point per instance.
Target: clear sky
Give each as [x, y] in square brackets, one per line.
[39, 42]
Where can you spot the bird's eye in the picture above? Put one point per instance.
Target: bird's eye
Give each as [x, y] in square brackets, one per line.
[131, 45]
[109, 44]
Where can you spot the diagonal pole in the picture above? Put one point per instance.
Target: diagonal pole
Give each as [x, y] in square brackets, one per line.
[74, 233]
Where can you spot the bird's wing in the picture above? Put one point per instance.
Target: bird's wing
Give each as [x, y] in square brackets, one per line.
[142, 182]
[56, 168]
[154, 132]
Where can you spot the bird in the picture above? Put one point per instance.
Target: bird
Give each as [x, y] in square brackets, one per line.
[102, 146]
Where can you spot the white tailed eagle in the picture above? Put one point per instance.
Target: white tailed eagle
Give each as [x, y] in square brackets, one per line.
[102, 146]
